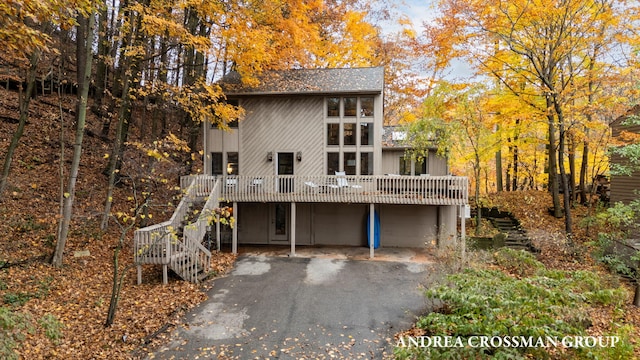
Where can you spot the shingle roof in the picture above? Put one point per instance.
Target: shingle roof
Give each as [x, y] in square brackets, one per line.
[393, 137]
[309, 81]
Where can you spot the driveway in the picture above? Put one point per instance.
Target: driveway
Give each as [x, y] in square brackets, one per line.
[273, 307]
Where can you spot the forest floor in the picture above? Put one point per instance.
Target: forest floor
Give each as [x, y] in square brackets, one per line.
[60, 312]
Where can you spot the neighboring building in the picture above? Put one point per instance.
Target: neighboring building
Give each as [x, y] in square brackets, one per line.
[623, 187]
[307, 166]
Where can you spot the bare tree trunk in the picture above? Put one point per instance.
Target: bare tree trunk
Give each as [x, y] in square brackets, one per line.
[572, 166]
[568, 221]
[69, 195]
[584, 199]
[553, 167]
[25, 100]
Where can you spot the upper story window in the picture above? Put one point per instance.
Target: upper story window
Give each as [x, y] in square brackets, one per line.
[349, 134]
[333, 134]
[366, 106]
[333, 107]
[366, 133]
[350, 106]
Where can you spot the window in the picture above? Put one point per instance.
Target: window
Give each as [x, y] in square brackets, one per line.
[366, 106]
[333, 163]
[333, 134]
[333, 106]
[216, 163]
[421, 166]
[349, 134]
[232, 163]
[350, 163]
[405, 166]
[366, 133]
[350, 105]
[366, 163]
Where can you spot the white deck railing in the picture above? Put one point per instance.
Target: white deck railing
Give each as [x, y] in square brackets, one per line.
[377, 189]
[159, 244]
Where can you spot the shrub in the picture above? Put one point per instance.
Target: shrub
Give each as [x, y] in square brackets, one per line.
[541, 303]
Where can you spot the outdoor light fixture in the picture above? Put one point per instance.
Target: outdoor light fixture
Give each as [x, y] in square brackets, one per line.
[270, 156]
[229, 168]
[299, 155]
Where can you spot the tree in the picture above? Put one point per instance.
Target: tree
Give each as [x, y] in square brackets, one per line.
[85, 46]
[24, 36]
[536, 50]
[455, 120]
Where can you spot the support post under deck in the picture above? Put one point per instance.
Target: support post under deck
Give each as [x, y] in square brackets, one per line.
[293, 229]
[234, 242]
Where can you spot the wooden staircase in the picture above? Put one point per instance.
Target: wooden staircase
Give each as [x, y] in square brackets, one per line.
[176, 244]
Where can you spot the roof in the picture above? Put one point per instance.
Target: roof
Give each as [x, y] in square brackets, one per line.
[309, 81]
[393, 137]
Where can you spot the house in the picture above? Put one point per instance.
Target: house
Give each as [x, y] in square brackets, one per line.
[307, 166]
[623, 187]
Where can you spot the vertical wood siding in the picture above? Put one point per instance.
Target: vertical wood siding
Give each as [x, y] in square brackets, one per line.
[281, 124]
[623, 186]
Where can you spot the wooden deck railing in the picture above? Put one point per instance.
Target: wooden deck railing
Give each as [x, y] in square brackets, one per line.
[159, 244]
[379, 189]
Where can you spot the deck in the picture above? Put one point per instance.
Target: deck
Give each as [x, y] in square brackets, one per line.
[374, 189]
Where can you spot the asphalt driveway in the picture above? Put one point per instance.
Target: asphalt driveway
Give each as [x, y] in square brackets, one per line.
[302, 308]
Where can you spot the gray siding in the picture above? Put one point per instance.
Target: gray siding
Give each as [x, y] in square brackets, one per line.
[391, 162]
[340, 224]
[408, 226]
[282, 124]
[253, 223]
[274, 124]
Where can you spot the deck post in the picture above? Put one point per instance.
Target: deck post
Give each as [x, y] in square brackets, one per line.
[234, 241]
[218, 232]
[293, 229]
[463, 220]
[372, 235]
[165, 278]
[139, 274]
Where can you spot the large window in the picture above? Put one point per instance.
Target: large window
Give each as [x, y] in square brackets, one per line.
[349, 134]
[366, 106]
[216, 163]
[333, 163]
[333, 134]
[366, 133]
[350, 163]
[350, 106]
[333, 107]
[366, 163]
